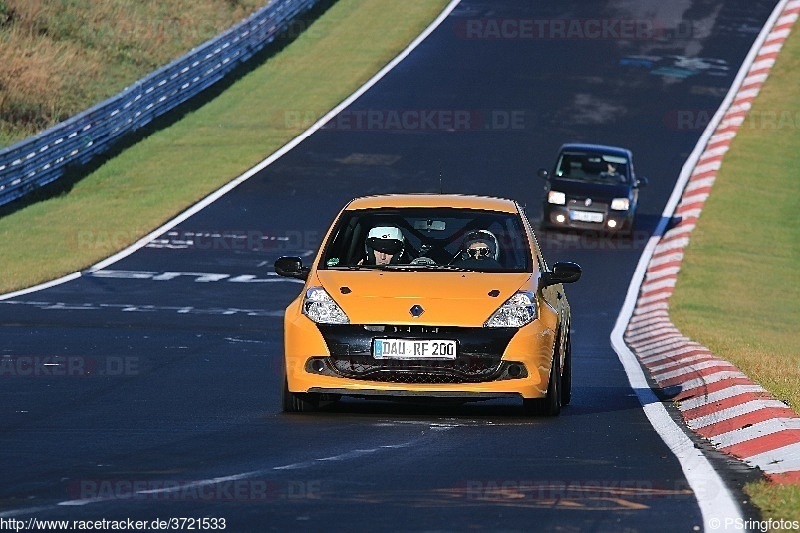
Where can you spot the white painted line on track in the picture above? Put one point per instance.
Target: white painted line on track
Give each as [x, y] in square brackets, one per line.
[41, 287]
[189, 486]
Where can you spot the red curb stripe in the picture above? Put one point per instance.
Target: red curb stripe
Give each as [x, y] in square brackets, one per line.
[666, 366]
[785, 478]
[719, 405]
[710, 388]
[695, 374]
[666, 338]
[677, 358]
[744, 420]
[763, 444]
[667, 344]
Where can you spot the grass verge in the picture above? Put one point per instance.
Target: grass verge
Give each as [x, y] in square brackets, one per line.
[59, 58]
[738, 291]
[170, 170]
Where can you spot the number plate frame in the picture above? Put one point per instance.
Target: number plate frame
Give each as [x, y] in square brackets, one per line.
[407, 349]
[586, 216]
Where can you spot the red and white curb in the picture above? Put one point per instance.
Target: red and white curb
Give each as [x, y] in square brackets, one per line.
[716, 399]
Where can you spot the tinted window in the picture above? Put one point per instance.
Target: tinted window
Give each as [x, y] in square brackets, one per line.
[592, 166]
[434, 237]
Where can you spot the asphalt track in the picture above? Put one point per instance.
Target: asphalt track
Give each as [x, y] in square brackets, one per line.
[149, 388]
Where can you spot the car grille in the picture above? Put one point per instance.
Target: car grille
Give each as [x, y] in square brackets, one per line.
[457, 371]
[579, 204]
[479, 357]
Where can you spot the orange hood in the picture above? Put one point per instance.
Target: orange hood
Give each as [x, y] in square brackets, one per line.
[448, 298]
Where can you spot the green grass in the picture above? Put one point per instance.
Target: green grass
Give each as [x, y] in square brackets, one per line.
[61, 56]
[170, 170]
[738, 291]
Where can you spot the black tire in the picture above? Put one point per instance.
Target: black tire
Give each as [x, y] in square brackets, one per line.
[298, 402]
[550, 405]
[566, 374]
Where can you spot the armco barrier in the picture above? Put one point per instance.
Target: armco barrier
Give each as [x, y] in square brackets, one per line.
[44, 158]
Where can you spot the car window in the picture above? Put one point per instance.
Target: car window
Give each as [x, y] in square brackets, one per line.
[593, 167]
[436, 234]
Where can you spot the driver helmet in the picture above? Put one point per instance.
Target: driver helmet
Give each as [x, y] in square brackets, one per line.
[481, 236]
[385, 239]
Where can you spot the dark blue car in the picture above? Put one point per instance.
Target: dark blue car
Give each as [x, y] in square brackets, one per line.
[591, 187]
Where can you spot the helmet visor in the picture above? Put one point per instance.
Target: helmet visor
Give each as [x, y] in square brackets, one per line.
[386, 246]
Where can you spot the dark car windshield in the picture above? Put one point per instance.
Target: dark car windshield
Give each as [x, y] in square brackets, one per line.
[432, 239]
[593, 167]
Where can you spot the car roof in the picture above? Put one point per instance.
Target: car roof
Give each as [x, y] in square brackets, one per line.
[459, 201]
[603, 148]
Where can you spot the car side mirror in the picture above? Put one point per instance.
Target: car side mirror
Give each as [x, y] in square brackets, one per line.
[562, 273]
[543, 174]
[291, 267]
[642, 182]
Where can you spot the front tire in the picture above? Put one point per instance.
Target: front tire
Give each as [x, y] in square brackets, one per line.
[298, 402]
[566, 375]
[550, 405]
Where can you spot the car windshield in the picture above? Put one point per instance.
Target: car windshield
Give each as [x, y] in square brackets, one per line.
[593, 167]
[433, 239]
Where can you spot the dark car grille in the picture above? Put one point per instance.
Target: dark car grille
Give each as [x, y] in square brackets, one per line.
[579, 204]
[457, 371]
[479, 357]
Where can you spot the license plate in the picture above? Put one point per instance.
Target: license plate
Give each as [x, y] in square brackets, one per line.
[413, 349]
[586, 216]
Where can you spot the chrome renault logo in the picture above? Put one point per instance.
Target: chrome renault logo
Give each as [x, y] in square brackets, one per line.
[588, 202]
[416, 310]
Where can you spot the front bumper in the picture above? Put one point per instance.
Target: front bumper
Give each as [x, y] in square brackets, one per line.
[578, 217]
[489, 363]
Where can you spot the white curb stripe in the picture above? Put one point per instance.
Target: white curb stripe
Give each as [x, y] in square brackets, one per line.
[778, 461]
[724, 394]
[701, 357]
[761, 429]
[731, 412]
[693, 369]
[713, 378]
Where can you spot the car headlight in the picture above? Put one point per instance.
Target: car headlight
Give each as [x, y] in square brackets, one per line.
[620, 204]
[555, 197]
[322, 309]
[517, 311]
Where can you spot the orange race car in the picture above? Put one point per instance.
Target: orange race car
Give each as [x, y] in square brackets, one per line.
[429, 295]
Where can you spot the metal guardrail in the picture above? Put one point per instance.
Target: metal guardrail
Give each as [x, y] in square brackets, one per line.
[44, 158]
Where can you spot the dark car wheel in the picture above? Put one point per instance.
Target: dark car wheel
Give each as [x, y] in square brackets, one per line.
[566, 375]
[550, 405]
[296, 402]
